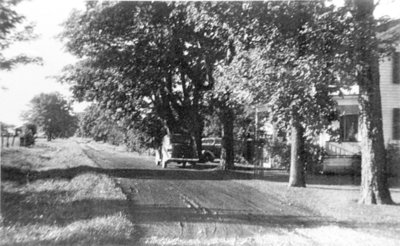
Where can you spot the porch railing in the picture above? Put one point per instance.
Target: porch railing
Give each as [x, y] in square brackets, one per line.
[342, 149]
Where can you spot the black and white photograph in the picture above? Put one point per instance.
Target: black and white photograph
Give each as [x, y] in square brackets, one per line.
[191, 123]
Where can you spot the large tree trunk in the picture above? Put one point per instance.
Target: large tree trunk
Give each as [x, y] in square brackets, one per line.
[197, 130]
[374, 186]
[227, 150]
[195, 122]
[297, 171]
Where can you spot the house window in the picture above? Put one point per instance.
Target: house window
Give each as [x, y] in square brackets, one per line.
[396, 68]
[349, 128]
[396, 124]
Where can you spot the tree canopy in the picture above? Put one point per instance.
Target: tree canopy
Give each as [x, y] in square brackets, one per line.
[279, 61]
[301, 56]
[12, 30]
[374, 183]
[143, 60]
[52, 114]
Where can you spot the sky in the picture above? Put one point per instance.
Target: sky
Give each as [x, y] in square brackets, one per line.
[24, 82]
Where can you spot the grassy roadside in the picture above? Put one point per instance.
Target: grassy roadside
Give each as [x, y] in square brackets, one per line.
[86, 209]
[336, 197]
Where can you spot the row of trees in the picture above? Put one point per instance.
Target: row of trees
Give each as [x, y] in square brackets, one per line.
[162, 67]
[98, 124]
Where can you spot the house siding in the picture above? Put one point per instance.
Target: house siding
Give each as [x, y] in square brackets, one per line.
[390, 94]
[390, 99]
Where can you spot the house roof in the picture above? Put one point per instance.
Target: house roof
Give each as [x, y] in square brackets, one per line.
[389, 30]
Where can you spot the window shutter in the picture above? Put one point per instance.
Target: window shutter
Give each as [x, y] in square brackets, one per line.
[396, 68]
[396, 124]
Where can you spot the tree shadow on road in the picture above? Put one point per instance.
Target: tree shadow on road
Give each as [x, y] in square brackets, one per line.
[23, 176]
[198, 172]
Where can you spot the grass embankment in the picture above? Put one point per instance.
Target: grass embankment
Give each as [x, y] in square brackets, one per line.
[82, 208]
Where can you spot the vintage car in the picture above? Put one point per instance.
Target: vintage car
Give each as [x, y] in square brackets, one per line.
[176, 148]
[211, 149]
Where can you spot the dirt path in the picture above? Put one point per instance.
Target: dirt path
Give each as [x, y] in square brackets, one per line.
[197, 206]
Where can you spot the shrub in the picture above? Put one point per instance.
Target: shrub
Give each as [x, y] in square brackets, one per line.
[314, 157]
[115, 136]
[280, 153]
[136, 141]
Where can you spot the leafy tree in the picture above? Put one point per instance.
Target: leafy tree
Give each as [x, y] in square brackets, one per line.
[163, 58]
[275, 65]
[304, 54]
[144, 62]
[98, 124]
[374, 185]
[94, 123]
[53, 115]
[9, 34]
[227, 101]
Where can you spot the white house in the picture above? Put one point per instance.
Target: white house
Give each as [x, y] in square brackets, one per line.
[389, 69]
[339, 153]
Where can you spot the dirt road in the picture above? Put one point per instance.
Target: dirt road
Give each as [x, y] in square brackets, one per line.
[80, 192]
[203, 206]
